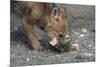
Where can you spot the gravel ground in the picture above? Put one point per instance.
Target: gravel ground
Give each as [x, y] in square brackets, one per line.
[81, 19]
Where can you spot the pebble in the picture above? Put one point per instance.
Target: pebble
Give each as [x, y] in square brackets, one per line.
[18, 45]
[77, 33]
[74, 52]
[82, 35]
[84, 30]
[87, 54]
[12, 54]
[27, 59]
[15, 28]
[29, 52]
[57, 55]
[90, 45]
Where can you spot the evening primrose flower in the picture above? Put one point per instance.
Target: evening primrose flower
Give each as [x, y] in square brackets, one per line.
[75, 46]
[66, 36]
[53, 42]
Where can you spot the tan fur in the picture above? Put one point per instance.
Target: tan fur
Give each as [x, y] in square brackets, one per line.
[43, 13]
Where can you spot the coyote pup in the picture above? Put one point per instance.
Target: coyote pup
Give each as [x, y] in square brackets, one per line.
[44, 16]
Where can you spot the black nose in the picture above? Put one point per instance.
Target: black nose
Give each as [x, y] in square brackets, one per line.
[42, 27]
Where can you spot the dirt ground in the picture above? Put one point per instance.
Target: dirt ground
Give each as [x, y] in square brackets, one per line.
[81, 19]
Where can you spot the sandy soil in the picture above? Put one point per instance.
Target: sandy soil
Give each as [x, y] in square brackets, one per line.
[81, 19]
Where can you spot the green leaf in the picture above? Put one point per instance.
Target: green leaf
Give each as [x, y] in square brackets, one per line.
[67, 45]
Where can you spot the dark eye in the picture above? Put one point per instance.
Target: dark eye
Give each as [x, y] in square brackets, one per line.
[55, 12]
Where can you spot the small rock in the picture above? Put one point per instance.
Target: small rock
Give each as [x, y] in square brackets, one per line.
[57, 55]
[15, 28]
[27, 59]
[12, 54]
[87, 54]
[74, 52]
[79, 57]
[84, 30]
[29, 52]
[76, 33]
[82, 35]
[90, 45]
[18, 46]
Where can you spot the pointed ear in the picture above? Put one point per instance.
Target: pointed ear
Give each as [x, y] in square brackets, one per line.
[55, 12]
[63, 12]
[48, 7]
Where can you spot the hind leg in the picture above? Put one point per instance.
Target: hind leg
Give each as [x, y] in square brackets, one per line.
[31, 33]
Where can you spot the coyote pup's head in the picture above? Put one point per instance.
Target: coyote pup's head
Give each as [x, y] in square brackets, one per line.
[57, 22]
